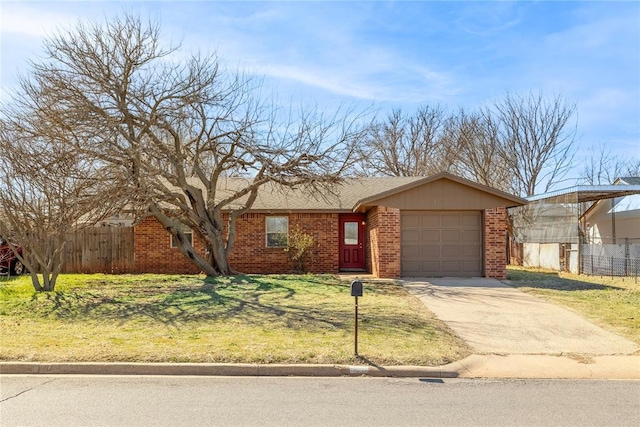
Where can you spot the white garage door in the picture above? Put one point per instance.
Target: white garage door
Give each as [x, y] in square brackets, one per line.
[441, 243]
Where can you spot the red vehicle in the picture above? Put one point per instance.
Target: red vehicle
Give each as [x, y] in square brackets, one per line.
[9, 264]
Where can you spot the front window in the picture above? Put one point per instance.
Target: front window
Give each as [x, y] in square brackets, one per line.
[188, 233]
[277, 231]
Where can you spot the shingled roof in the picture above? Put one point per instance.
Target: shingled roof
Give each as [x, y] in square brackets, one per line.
[341, 198]
[352, 194]
[629, 180]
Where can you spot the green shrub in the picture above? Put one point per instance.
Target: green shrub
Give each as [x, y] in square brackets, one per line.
[300, 249]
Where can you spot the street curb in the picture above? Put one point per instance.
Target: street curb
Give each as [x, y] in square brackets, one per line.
[473, 366]
[223, 369]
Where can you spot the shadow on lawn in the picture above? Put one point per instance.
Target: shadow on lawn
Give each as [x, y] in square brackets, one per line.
[552, 280]
[238, 298]
[261, 301]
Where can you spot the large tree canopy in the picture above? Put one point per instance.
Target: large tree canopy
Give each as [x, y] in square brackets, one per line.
[168, 127]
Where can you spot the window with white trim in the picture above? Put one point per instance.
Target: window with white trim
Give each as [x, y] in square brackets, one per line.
[188, 233]
[277, 231]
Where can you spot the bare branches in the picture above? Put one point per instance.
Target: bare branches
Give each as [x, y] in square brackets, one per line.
[46, 190]
[167, 128]
[537, 139]
[479, 151]
[520, 144]
[409, 145]
[602, 167]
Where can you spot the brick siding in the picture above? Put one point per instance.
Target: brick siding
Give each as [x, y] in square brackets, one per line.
[153, 252]
[383, 242]
[495, 243]
[371, 255]
[250, 255]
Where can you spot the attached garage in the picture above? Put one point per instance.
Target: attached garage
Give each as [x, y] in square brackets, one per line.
[441, 243]
[438, 226]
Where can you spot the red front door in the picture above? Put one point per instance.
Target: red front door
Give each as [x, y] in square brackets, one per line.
[352, 229]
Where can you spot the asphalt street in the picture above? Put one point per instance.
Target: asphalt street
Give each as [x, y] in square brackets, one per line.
[249, 401]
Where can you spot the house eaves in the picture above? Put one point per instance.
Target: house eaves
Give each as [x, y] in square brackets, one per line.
[371, 200]
[350, 195]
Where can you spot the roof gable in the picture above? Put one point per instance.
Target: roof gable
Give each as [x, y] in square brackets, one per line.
[629, 204]
[443, 191]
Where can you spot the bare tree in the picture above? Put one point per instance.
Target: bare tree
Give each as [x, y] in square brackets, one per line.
[46, 190]
[603, 167]
[404, 145]
[536, 138]
[479, 151]
[520, 144]
[176, 128]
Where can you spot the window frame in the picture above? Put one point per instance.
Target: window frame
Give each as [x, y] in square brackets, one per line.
[284, 233]
[357, 232]
[187, 231]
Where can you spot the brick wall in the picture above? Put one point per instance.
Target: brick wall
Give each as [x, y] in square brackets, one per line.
[383, 242]
[371, 255]
[382, 257]
[250, 255]
[153, 251]
[495, 243]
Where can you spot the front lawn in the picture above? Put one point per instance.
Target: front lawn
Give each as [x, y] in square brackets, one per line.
[612, 302]
[251, 319]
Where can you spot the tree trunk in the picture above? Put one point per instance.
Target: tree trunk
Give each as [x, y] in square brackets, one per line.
[220, 256]
[185, 246]
[36, 282]
[187, 250]
[49, 280]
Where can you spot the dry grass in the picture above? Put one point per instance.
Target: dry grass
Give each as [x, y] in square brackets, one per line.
[252, 319]
[611, 302]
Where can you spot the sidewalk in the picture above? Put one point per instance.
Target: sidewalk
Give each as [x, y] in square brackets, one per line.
[474, 366]
[549, 366]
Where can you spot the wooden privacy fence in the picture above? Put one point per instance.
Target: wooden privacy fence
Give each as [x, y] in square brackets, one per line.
[100, 250]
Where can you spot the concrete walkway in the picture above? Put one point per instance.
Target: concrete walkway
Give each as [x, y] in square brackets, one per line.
[495, 318]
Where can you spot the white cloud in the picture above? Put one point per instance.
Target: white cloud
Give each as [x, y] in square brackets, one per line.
[400, 83]
[323, 55]
[326, 80]
[401, 54]
[484, 19]
[28, 20]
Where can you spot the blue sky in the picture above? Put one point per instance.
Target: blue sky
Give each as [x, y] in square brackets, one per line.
[395, 54]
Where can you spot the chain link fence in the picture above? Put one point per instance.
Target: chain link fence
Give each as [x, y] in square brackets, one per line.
[621, 259]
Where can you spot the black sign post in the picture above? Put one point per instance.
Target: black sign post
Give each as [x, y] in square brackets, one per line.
[356, 291]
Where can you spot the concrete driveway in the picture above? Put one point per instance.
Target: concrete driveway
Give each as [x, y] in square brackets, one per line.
[496, 318]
